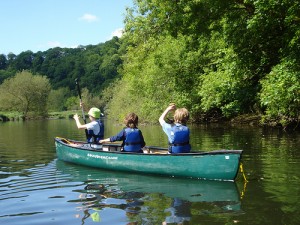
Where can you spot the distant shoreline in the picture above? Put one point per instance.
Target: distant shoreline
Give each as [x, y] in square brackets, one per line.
[246, 119]
[13, 116]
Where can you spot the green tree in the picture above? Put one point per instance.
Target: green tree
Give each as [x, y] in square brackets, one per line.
[88, 99]
[57, 99]
[72, 103]
[156, 73]
[223, 87]
[37, 62]
[237, 44]
[25, 93]
[280, 93]
[95, 65]
[11, 57]
[3, 62]
[23, 61]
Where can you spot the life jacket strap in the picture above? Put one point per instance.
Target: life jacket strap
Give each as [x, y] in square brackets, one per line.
[132, 143]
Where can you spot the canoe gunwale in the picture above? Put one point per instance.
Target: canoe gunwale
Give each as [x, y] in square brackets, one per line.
[198, 153]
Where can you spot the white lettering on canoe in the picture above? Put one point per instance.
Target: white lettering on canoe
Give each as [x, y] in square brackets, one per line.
[102, 157]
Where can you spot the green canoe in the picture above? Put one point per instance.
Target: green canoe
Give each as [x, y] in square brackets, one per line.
[213, 165]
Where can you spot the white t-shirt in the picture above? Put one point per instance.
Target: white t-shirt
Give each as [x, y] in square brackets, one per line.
[167, 128]
[93, 126]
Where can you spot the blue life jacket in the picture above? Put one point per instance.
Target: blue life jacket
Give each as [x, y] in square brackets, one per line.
[95, 138]
[181, 142]
[133, 140]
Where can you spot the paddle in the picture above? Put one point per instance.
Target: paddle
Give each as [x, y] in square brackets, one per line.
[79, 94]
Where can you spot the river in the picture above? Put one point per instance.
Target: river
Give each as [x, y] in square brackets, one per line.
[36, 188]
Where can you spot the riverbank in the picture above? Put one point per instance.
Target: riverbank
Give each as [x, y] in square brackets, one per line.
[14, 116]
[245, 119]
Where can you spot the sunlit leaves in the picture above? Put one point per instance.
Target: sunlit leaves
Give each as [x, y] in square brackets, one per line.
[57, 99]
[280, 92]
[229, 46]
[161, 75]
[25, 93]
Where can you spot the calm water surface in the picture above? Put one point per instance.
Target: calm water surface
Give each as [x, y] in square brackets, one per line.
[36, 188]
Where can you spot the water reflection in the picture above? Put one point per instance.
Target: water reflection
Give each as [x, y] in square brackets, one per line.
[148, 199]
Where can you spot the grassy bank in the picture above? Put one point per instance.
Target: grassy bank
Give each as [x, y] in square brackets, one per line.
[246, 119]
[15, 116]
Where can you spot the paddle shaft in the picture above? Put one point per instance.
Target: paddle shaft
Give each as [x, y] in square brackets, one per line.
[79, 94]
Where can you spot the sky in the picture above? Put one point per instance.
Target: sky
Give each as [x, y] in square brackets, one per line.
[38, 25]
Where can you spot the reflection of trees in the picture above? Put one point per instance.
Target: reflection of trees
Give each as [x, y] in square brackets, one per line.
[155, 205]
[223, 136]
[180, 212]
[93, 200]
[271, 163]
[280, 169]
[155, 208]
[138, 206]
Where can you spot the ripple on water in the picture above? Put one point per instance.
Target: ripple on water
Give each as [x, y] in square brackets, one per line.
[30, 192]
[42, 195]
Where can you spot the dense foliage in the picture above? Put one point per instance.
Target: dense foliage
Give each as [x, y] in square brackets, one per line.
[217, 58]
[96, 66]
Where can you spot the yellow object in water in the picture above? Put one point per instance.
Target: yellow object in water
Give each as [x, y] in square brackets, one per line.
[95, 217]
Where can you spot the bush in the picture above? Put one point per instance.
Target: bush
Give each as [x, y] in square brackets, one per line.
[280, 93]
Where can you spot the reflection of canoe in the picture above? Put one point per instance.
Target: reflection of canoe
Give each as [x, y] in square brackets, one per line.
[190, 190]
[214, 165]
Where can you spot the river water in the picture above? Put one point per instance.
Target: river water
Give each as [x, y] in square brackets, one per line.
[36, 188]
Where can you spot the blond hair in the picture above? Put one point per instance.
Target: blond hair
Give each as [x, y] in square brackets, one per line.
[131, 120]
[181, 115]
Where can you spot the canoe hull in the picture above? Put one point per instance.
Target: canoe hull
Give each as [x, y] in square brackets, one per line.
[216, 165]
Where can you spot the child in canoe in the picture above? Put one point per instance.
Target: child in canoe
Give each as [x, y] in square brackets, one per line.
[132, 137]
[178, 133]
[95, 129]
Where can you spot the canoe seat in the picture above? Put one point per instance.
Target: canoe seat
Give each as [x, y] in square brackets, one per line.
[154, 151]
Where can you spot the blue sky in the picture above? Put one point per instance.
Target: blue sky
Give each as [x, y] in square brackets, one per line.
[38, 25]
